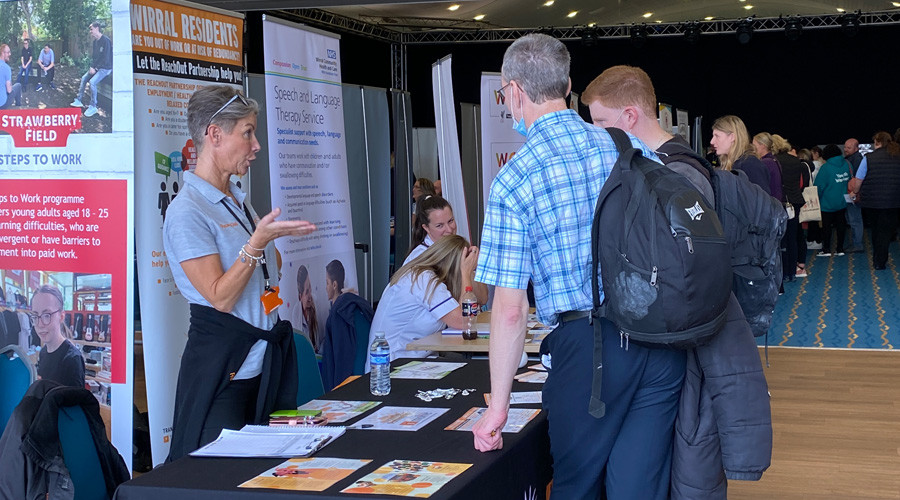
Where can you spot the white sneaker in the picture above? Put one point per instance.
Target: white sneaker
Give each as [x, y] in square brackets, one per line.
[839, 254]
[823, 254]
[801, 272]
[812, 245]
[91, 111]
[77, 104]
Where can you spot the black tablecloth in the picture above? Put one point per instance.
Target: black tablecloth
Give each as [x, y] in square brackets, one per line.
[522, 466]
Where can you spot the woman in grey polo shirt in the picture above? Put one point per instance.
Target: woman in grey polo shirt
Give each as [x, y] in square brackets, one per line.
[224, 265]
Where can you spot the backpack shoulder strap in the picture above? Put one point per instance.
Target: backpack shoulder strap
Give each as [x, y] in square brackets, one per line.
[623, 143]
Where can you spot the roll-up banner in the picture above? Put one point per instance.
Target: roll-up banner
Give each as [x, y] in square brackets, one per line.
[308, 167]
[449, 159]
[499, 142]
[177, 49]
[66, 136]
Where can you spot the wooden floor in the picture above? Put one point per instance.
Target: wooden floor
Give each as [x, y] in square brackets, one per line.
[836, 417]
[836, 420]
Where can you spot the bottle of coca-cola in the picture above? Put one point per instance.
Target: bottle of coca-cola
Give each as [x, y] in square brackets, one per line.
[470, 309]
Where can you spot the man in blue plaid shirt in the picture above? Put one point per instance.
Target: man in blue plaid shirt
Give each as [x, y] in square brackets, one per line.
[537, 227]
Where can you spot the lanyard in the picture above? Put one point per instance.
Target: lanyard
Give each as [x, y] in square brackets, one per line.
[265, 269]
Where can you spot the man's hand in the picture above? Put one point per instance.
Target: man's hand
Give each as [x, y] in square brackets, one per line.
[92, 70]
[487, 430]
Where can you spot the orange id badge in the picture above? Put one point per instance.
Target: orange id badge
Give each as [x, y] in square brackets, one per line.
[270, 299]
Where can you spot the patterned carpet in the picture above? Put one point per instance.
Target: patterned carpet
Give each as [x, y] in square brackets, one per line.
[844, 303]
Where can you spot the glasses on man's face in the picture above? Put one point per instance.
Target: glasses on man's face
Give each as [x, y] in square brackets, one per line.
[43, 318]
[500, 92]
[235, 97]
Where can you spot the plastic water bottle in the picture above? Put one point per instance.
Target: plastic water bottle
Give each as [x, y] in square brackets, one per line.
[380, 366]
[470, 309]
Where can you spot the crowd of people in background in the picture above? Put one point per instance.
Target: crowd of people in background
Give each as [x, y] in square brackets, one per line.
[783, 171]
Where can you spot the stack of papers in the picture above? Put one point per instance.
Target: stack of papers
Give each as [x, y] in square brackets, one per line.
[399, 418]
[425, 370]
[262, 441]
[516, 420]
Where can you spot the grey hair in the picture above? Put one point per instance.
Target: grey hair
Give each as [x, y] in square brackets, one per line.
[540, 65]
[50, 290]
[206, 101]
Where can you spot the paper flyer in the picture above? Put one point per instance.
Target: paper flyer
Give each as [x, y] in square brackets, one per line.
[305, 474]
[340, 411]
[519, 398]
[516, 420]
[532, 377]
[409, 478]
[425, 370]
[399, 418]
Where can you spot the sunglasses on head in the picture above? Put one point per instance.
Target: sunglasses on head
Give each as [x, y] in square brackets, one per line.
[235, 97]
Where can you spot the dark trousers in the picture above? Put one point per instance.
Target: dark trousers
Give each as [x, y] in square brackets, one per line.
[801, 242]
[632, 443]
[884, 223]
[233, 408]
[48, 78]
[814, 231]
[836, 221]
[789, 244]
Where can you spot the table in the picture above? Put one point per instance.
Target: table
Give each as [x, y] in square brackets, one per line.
[454, 343]
[522, 466]
[439, 342]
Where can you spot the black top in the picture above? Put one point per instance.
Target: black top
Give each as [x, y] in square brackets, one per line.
[102, 58]
[27, 55]
[65, 365]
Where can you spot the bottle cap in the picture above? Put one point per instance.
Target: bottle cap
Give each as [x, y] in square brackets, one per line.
[468, 289]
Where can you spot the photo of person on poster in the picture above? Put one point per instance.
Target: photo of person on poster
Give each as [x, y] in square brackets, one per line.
[304, 318]
[59, 360]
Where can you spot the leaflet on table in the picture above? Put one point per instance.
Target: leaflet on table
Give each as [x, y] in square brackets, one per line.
[532, 377]
[516, 419]
[483, 329]
[399, 418]
[262, 441]
[519, 398]
[410, 478]
[340, 411]
[306, 474]
[425, 370]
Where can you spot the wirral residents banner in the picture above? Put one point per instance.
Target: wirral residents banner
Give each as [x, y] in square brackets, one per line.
[177, 49]
[308, 167]
[499, 142]
[66, 205]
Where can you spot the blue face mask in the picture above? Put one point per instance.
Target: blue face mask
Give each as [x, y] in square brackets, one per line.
[520, 127]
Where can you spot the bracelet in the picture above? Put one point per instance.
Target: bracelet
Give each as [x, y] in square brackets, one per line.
[254, 260]
[263, 249]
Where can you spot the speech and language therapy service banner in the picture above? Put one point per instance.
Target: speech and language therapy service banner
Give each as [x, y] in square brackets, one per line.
[66, 212]
[177, 48]
[308, 166]
[498, 139]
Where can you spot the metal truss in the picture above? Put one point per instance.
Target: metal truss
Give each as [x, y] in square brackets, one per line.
[436, 31]
[854, 19]
[327, 20]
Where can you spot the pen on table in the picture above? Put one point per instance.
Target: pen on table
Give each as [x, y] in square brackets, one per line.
[322, 443]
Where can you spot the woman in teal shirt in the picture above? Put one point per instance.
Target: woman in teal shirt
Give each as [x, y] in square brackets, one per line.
[832, 183]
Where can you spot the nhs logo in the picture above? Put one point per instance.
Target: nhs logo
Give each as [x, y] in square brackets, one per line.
[332, 54]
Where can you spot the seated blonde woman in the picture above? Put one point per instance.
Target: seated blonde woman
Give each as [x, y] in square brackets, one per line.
[423, 295]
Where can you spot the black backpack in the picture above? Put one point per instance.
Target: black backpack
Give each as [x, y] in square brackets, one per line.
[664, 261]
[754, 223]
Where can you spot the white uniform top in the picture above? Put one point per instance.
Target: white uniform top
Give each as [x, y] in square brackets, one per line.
[419, 250]
[405, 313]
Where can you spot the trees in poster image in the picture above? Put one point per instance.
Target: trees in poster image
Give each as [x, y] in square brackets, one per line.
[62, 22]
[63, 25]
